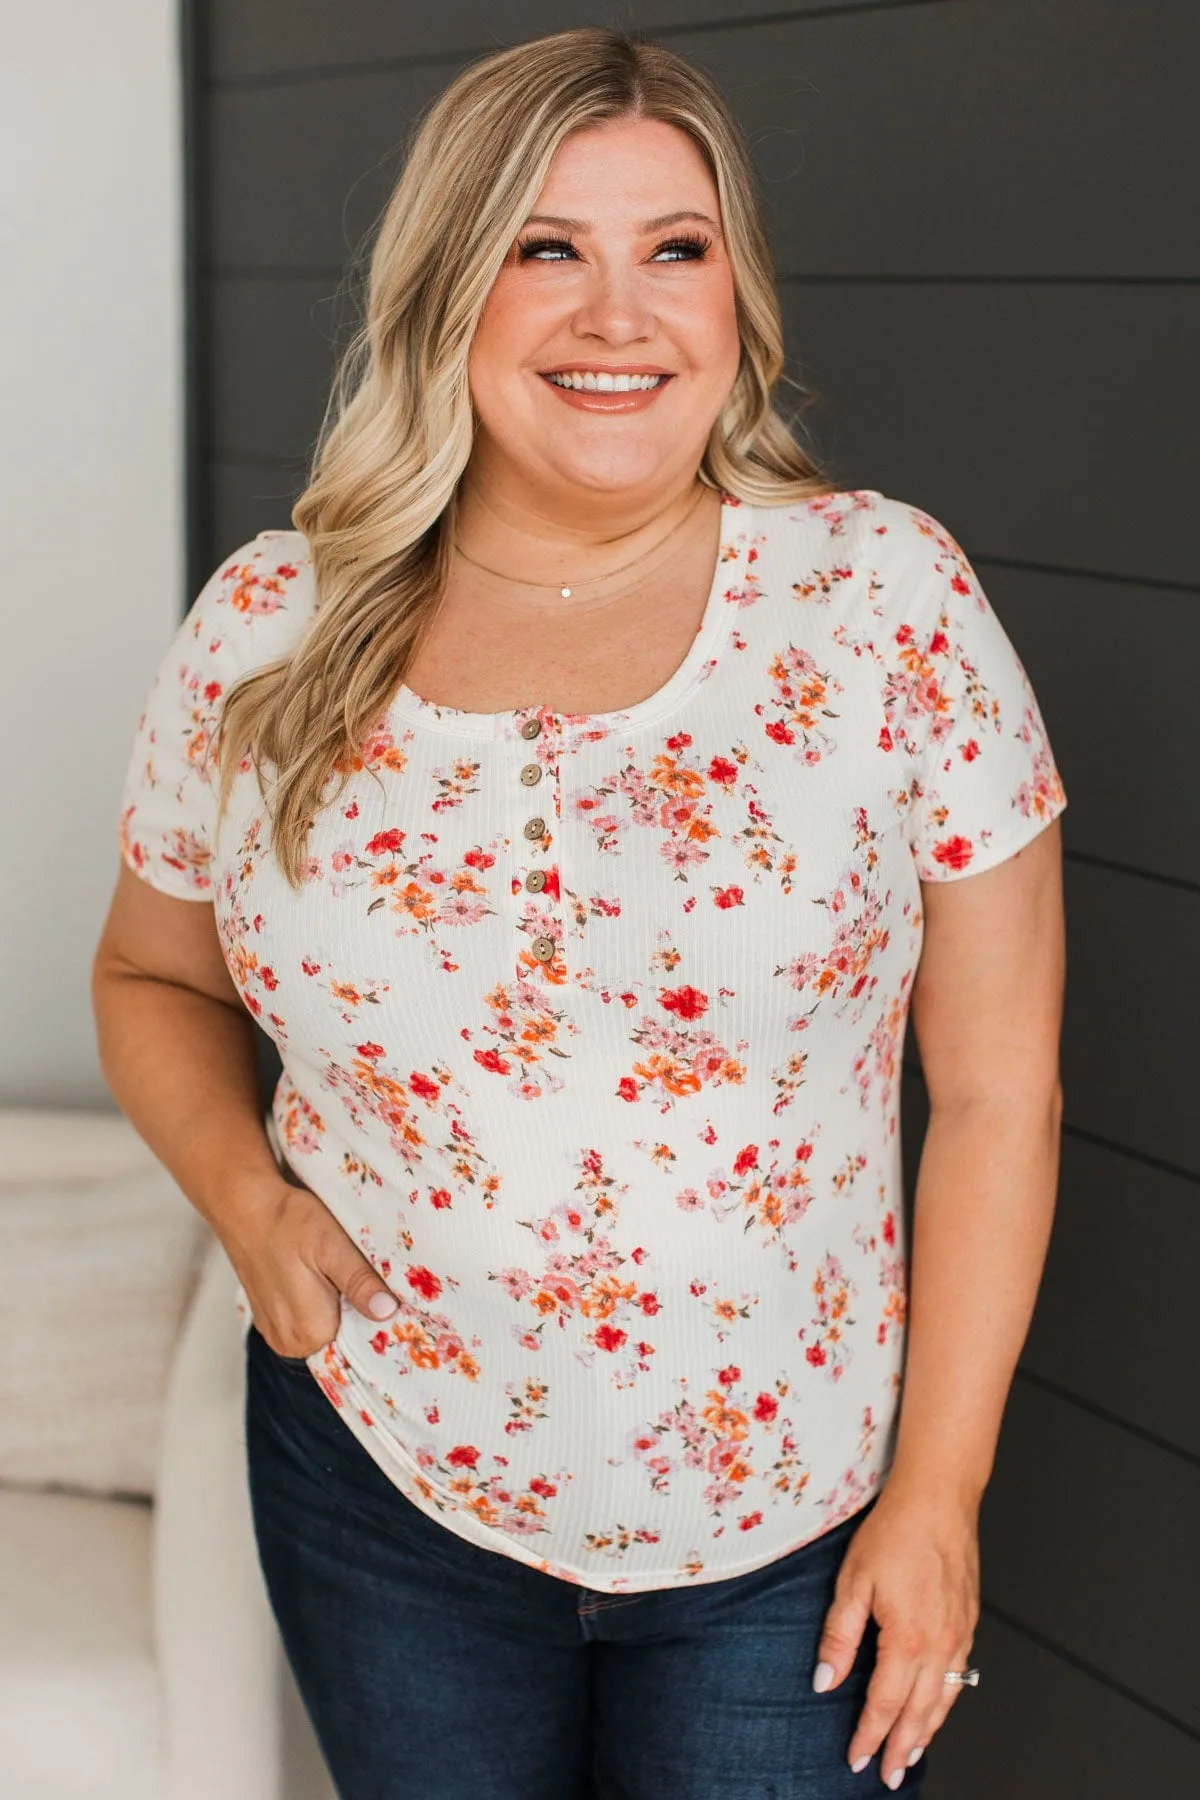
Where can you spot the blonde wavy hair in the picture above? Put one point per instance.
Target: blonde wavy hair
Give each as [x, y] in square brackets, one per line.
[380, 506]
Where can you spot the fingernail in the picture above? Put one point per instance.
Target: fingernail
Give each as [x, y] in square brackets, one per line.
[822, 1677]
[382, 1306]
[916, 1755]
[858, 1767]
[895, 1778]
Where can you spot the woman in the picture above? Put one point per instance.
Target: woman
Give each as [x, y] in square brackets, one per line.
[578, 797]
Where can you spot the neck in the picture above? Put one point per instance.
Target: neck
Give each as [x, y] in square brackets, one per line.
[548, 538]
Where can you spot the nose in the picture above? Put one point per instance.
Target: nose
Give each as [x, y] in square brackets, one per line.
[614, 306]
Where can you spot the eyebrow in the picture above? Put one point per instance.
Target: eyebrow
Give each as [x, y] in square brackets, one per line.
[647, 225]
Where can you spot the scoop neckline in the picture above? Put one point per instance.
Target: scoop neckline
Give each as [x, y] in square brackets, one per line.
[699, 661]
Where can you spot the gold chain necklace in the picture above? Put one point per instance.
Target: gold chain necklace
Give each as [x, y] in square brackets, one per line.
[566, 592]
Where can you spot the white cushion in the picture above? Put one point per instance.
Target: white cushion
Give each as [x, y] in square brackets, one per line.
[97, 1276]
[79, 1709]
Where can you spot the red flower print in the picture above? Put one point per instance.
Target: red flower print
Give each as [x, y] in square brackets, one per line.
[722, 771]
[939, 643]
[649, 1304]
[750, 1521]
[478, 858]
[745, 1159]
[463, 1456]
[380, 1342]
[212, 690]
[492, 1061]
[425, 1282]
[959, 585]
[684, 1002]
[954, 853]
[885, 739]
[627, 1088]
[439, 1198]
[970, 750]
[803, 1152]
[545, 1489]
[815, 1355]
[310, 968]
[765, 1408]
[889, 1229]
[780, 732]
[370, 1050]
[609, 1337]
[727, 897]
[385, 842]
[423, 1086]
[680, 741]
[728, 1376]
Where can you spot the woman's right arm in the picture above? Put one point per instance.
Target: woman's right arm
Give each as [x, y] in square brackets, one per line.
[177, 1050]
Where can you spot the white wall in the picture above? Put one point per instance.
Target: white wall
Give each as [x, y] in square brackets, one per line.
[91, 488]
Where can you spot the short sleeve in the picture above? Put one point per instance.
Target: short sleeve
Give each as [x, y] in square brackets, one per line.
[168, 806]
[982, 779]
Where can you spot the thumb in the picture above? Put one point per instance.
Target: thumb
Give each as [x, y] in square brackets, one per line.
[845, 1623]
[352, 1275]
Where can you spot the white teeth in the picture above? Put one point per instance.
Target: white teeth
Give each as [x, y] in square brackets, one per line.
[598, 381]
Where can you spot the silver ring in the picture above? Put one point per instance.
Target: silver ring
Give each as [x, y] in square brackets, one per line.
[968, 1677]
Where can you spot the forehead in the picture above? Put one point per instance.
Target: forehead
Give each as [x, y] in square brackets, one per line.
[627, 169]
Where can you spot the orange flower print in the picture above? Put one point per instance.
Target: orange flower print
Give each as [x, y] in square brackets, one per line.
[482, 1486]
[826, 1345]
[528, 1030]
[682, 1054]
[795, 712]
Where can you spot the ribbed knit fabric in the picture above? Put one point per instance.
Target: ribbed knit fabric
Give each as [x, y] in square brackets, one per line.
[640, 1201]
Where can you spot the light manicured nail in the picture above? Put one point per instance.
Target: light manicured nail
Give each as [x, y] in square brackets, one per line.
[895, 1778]
[382, 1306]
[822, 1676]
[916, 1754]
[858, 1767]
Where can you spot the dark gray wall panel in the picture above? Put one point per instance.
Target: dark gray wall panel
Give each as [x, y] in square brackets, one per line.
[1038, 1729]
[1115, 1321]
[247, 498]
[304, 171]
[281, 35]
[1113, 666]
[1089, 1538]
[273, 352]
[1133, 998]
[941, 85]
[1042, 424]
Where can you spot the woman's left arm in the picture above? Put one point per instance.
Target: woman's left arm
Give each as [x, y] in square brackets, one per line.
[987, 1015]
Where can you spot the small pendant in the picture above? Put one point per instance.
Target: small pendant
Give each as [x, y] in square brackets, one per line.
[565, 592]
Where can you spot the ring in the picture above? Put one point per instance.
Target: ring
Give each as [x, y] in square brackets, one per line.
[968, 1677]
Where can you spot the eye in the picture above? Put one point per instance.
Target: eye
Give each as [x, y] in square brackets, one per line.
[690, 246]
[535, 249]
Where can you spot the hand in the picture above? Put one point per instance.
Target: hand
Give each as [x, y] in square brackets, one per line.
[294, 1261]
[914, 1564]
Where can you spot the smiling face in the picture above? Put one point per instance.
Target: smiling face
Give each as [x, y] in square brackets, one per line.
[608, 343]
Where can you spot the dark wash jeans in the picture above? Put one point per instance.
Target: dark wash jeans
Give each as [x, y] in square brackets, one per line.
[433, 1669]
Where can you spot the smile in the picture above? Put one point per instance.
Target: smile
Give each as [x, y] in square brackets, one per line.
[608, 390]
[600, 382]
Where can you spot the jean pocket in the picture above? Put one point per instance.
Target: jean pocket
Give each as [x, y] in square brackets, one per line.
[300, 1364]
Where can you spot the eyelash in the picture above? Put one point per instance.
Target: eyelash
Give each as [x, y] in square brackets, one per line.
[686, 240]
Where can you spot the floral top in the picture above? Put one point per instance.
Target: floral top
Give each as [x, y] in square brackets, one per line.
[591, 1031]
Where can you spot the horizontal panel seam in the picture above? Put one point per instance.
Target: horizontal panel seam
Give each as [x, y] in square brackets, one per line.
[1146, 1158]
[1116, 1420]
[680, 28]
[1090, 1669]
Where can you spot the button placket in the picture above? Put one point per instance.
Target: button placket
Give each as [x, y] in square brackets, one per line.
[543, 946]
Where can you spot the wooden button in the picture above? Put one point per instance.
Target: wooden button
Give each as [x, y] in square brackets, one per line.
[535, 828]
[530, 728]
[535, 881]
[531, 774]
[543, 948]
